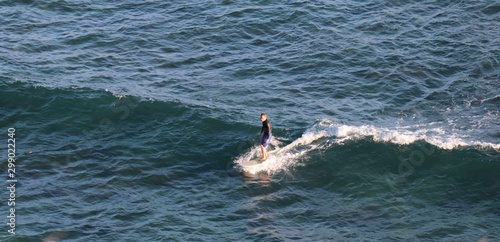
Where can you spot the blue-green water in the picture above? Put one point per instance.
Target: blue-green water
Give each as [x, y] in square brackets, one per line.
[132, 120]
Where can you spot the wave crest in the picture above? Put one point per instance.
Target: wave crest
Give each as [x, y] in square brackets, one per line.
[326, 133]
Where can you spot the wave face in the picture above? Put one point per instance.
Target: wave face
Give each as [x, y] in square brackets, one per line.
[327, 134]
[143, 163]
[423, 180]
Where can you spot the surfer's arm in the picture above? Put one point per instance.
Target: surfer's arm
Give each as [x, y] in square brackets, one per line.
[269, 130]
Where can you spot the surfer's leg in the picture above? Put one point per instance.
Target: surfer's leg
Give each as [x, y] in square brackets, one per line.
[263, 146]
[264, 153]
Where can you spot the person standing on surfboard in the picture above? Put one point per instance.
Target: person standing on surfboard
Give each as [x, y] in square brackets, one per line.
[265, 135]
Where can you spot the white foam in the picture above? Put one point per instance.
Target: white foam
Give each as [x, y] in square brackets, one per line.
[433, 133]
[289, 155]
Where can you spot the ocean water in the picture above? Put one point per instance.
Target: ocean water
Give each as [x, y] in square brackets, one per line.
[131, 120]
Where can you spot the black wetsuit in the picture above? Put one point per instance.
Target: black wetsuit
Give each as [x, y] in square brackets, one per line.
[266, 127]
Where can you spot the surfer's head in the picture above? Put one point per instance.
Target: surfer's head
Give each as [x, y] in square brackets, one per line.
[263, 117]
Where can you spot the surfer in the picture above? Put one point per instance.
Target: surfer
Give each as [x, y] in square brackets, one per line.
[265, 135]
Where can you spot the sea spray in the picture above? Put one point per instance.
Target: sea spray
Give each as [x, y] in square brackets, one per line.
[336, 134]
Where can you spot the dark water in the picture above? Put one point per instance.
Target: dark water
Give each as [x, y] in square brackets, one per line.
[132, 120]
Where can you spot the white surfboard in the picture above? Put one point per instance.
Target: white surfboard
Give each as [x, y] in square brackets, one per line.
[251, 162]
[254, 161]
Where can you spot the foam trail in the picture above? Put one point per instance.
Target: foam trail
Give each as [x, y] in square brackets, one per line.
[433, 133]
[286, 158]
[289, 155]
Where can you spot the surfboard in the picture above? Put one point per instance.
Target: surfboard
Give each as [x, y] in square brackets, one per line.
[251, 162]
[254, 161]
